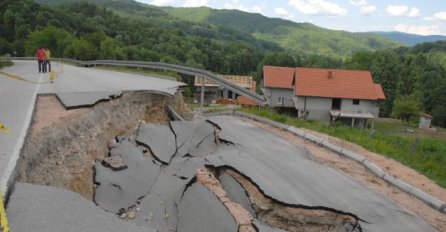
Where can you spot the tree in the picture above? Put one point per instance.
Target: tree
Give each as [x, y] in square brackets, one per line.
[385, 70]
[405, 108]
[361, 60]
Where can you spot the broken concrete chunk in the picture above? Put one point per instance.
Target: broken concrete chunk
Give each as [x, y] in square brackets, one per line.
[115, 162]
[236, 192]
[160, 139]
[36, 208]
[120, 190]
[201, 211]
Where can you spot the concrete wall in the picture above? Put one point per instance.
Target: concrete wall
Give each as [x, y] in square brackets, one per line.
[365, 106]
[319, 107]
[273, 94]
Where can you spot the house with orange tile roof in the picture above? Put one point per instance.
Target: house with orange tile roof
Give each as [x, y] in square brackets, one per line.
[277, 86]
[326, 94]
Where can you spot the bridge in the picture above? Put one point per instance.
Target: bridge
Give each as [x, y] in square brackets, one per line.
[168, 67]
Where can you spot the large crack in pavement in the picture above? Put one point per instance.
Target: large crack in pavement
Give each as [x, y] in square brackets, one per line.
[223, 174]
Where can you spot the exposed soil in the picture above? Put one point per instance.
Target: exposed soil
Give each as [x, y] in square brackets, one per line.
[64, 144]
[50, 111]
[361, 174]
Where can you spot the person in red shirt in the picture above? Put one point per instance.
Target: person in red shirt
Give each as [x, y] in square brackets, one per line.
[40, 55]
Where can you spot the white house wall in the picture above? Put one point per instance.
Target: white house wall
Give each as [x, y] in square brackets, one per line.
[319, 108]
[273, 94]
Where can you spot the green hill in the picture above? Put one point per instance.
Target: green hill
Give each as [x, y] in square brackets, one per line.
[301, 38]
[262, 32]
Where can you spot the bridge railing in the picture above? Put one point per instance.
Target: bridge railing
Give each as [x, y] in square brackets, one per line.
[166, 67]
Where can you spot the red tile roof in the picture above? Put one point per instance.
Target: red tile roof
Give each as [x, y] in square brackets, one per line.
[336, 83]
[278, 77]
[379, 92]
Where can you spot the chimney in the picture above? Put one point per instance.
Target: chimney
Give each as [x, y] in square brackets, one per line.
[330, 74]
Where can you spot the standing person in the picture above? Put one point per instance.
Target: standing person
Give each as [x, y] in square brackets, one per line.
[47, 59]
[40, 55]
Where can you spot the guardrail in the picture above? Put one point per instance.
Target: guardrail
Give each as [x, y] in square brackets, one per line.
[165, 67]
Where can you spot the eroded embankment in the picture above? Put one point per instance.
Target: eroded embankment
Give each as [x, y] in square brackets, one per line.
[62, 153]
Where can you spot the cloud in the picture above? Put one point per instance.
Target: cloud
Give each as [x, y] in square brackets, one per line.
[162, 2]
[397, 10]
[318, 7]
[420, 30]
[414, 12]
[440, 15]
[235, 4]
[365, 7]
[195, 3]
[283, 13]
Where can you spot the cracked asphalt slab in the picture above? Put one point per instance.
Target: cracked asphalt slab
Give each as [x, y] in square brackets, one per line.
[160, 139]
[236, 192]
[36, 208]
[200, 210]
[285, 173]
[166, 196]
[118, 190]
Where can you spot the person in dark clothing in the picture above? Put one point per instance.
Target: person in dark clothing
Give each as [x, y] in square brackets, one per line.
[40, 55]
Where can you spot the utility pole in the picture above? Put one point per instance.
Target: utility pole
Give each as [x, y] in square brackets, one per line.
[202, 94]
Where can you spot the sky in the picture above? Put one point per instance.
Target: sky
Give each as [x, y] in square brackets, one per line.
[427, 17]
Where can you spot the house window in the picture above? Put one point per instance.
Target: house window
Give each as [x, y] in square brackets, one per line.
[280, 101]
[336, 104]
[355, 101]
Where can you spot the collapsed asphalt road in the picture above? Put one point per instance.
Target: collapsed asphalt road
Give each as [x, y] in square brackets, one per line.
[155, 187]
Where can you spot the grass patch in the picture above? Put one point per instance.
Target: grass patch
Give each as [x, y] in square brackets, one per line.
[161, 74]
[5, 63]
[424, 154]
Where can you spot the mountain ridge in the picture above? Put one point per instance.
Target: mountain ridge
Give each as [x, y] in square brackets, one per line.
[410, 39]
[303, 39]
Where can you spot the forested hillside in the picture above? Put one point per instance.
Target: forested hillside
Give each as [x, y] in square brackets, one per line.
[85, 31]
[299, 38]
[415, 76]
